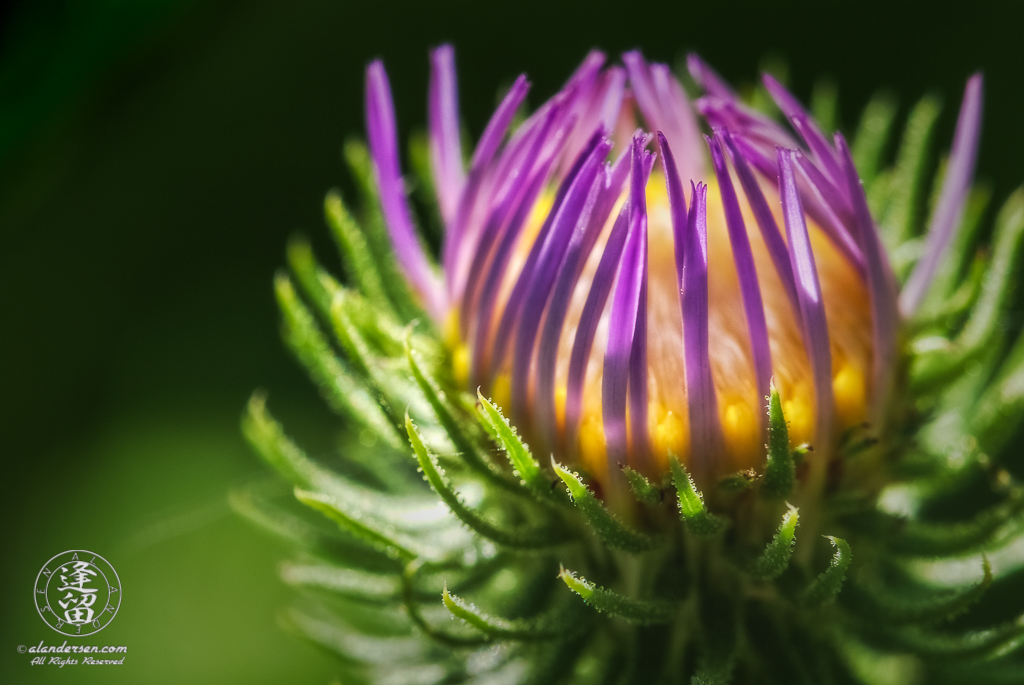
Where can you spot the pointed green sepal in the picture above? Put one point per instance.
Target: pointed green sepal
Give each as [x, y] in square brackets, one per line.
[824, 104]
[928, 539]
[394, 284]
[945, 298]
[497, 628]
[518, 452]
[691, 503]
[299, 533]
[900, 218]
[872, 135]
[344, 393]
[642, 488]
[608, 528]
[458, 431]
[370, 531]
[528, 538]
[638, 611]
[898, 607]
[346, 582]
[827, 585]
[307, 272]
[780, 472]
[973, 646]
[775, 558]
[356, 257]
[933, 367]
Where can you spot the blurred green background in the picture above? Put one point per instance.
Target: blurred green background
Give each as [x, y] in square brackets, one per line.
[154, 158]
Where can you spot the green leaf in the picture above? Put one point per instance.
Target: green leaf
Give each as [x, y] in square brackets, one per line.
[872, 135]
[780, 472]
[495, 627]
[638, 611]
[642, 488]
[775, 558]
[356, 257]
[528, 538]
[608, 528]
[691, 502]
[344, 393]
[827, 585]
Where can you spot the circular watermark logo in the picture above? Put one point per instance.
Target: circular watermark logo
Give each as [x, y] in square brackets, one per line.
[78, 593]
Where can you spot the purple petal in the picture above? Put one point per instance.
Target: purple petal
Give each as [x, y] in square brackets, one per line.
[742, 120]
[495, 271]
[643, 88]
[623, 322]
[588, 69]
[708, 79]
[676, 202]
[777, 249]
[482, 156]
[955, 187]
[571, 218]
[581, 243]
[638, 392]
[383, 137]
[816, 207]
[885, 318]
[680, 121]
[614, 92]
[600, 102]
[835, 196]
[822, 152]
[601, 286]
[812, 306]
[445, 144]
[705, 424]
[513, 308]
[828, 211]
[597, 298]
[666, 108]
[804, 124]
[509, 198]
[750, 289]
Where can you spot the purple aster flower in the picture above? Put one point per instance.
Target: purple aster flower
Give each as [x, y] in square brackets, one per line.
[697, 293]
[624, 309]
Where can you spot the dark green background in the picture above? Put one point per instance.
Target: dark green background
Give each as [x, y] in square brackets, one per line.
[154, 158]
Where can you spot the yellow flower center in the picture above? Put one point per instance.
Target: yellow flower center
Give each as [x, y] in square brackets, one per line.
[739, 407]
